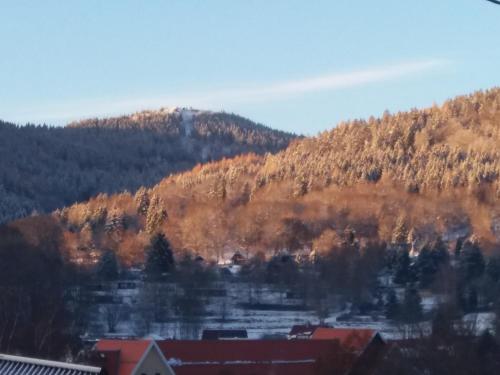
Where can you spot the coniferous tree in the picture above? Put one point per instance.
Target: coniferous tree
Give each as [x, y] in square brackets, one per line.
[440, 252]
[141, 199]
[159, 257]
[156, 214]
[458, 248]
[411, 309]
[471, 261]
[429, 261]
[403, 271]
[426, 267]
[400, 232]
[392, 306]
[107, 268]
[493, 269]
[411, 238]
[115, 223]
[472, 299]
[442, 322]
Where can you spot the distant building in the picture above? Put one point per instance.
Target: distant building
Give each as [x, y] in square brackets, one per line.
[16, 365]
[366, 344]
[302, 331]
[224, 334]
[238, 259]
[256, 357]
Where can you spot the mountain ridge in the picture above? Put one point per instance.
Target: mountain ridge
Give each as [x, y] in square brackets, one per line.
[109, 155]
[405, 178]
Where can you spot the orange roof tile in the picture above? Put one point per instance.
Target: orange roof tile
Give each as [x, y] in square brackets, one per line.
[131, 352]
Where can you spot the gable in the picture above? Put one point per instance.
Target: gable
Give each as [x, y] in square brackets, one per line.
[153, 363]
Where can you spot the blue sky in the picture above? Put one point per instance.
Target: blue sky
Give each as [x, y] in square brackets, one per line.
[300, 66]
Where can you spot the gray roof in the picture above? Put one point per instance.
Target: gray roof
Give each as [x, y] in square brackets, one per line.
[16, 365]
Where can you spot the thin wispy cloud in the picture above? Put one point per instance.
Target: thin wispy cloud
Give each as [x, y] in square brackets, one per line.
[224, 98]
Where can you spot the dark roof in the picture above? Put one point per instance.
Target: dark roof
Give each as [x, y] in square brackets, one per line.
[303, 330]
[218, 334]
[16, 365]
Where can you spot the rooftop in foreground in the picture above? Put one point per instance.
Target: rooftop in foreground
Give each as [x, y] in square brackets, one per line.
[17, 365]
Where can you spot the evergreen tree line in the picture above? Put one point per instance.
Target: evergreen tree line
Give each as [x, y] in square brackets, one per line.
[44, 167]
[403, 178]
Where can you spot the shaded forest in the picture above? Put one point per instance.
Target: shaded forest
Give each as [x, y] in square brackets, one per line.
[43, 168]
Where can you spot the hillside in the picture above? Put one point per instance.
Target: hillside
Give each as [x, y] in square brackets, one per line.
[44, 168]
[404, 179]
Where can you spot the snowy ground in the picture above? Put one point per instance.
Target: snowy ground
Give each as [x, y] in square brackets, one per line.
[227, 313]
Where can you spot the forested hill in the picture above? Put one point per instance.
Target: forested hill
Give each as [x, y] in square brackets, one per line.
[406, 178]
[43, 168]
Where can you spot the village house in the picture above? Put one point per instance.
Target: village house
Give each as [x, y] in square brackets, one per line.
[302, 331]
[345, 354]
[224, 334]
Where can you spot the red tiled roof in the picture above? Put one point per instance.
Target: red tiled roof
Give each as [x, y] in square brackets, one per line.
[110, 360]
[287, 357]
[245, 357]
[130, 352]
[351, 339]
[248, 369]
[242, 350]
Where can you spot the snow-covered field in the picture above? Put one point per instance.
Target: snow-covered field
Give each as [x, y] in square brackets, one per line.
[262, 310]
[228, 313]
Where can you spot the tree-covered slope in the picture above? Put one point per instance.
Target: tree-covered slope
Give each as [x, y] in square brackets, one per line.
[408, 177]
[43, 168]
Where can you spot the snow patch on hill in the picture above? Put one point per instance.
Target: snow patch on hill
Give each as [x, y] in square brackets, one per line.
[187, 121]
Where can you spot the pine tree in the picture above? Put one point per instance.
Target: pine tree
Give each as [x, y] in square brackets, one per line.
[458, 248]
[299, 186]
[141, 199]
[472, 299]
[349, 235]
[87, 235]
[493, 269]
[412, 306]
[430, 259]
[440, 252]
[107, 268]
[442, 322]
[411, 238]
[98, 216]
[426, 267]
[218, 189]
[115, 223]
[403, 271]
[471, 262]
[156, 214]
[400, 232]
[159, 257]
[392, 307]
[246, 193]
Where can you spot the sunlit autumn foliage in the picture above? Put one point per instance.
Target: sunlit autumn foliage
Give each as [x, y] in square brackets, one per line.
[408, 177]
